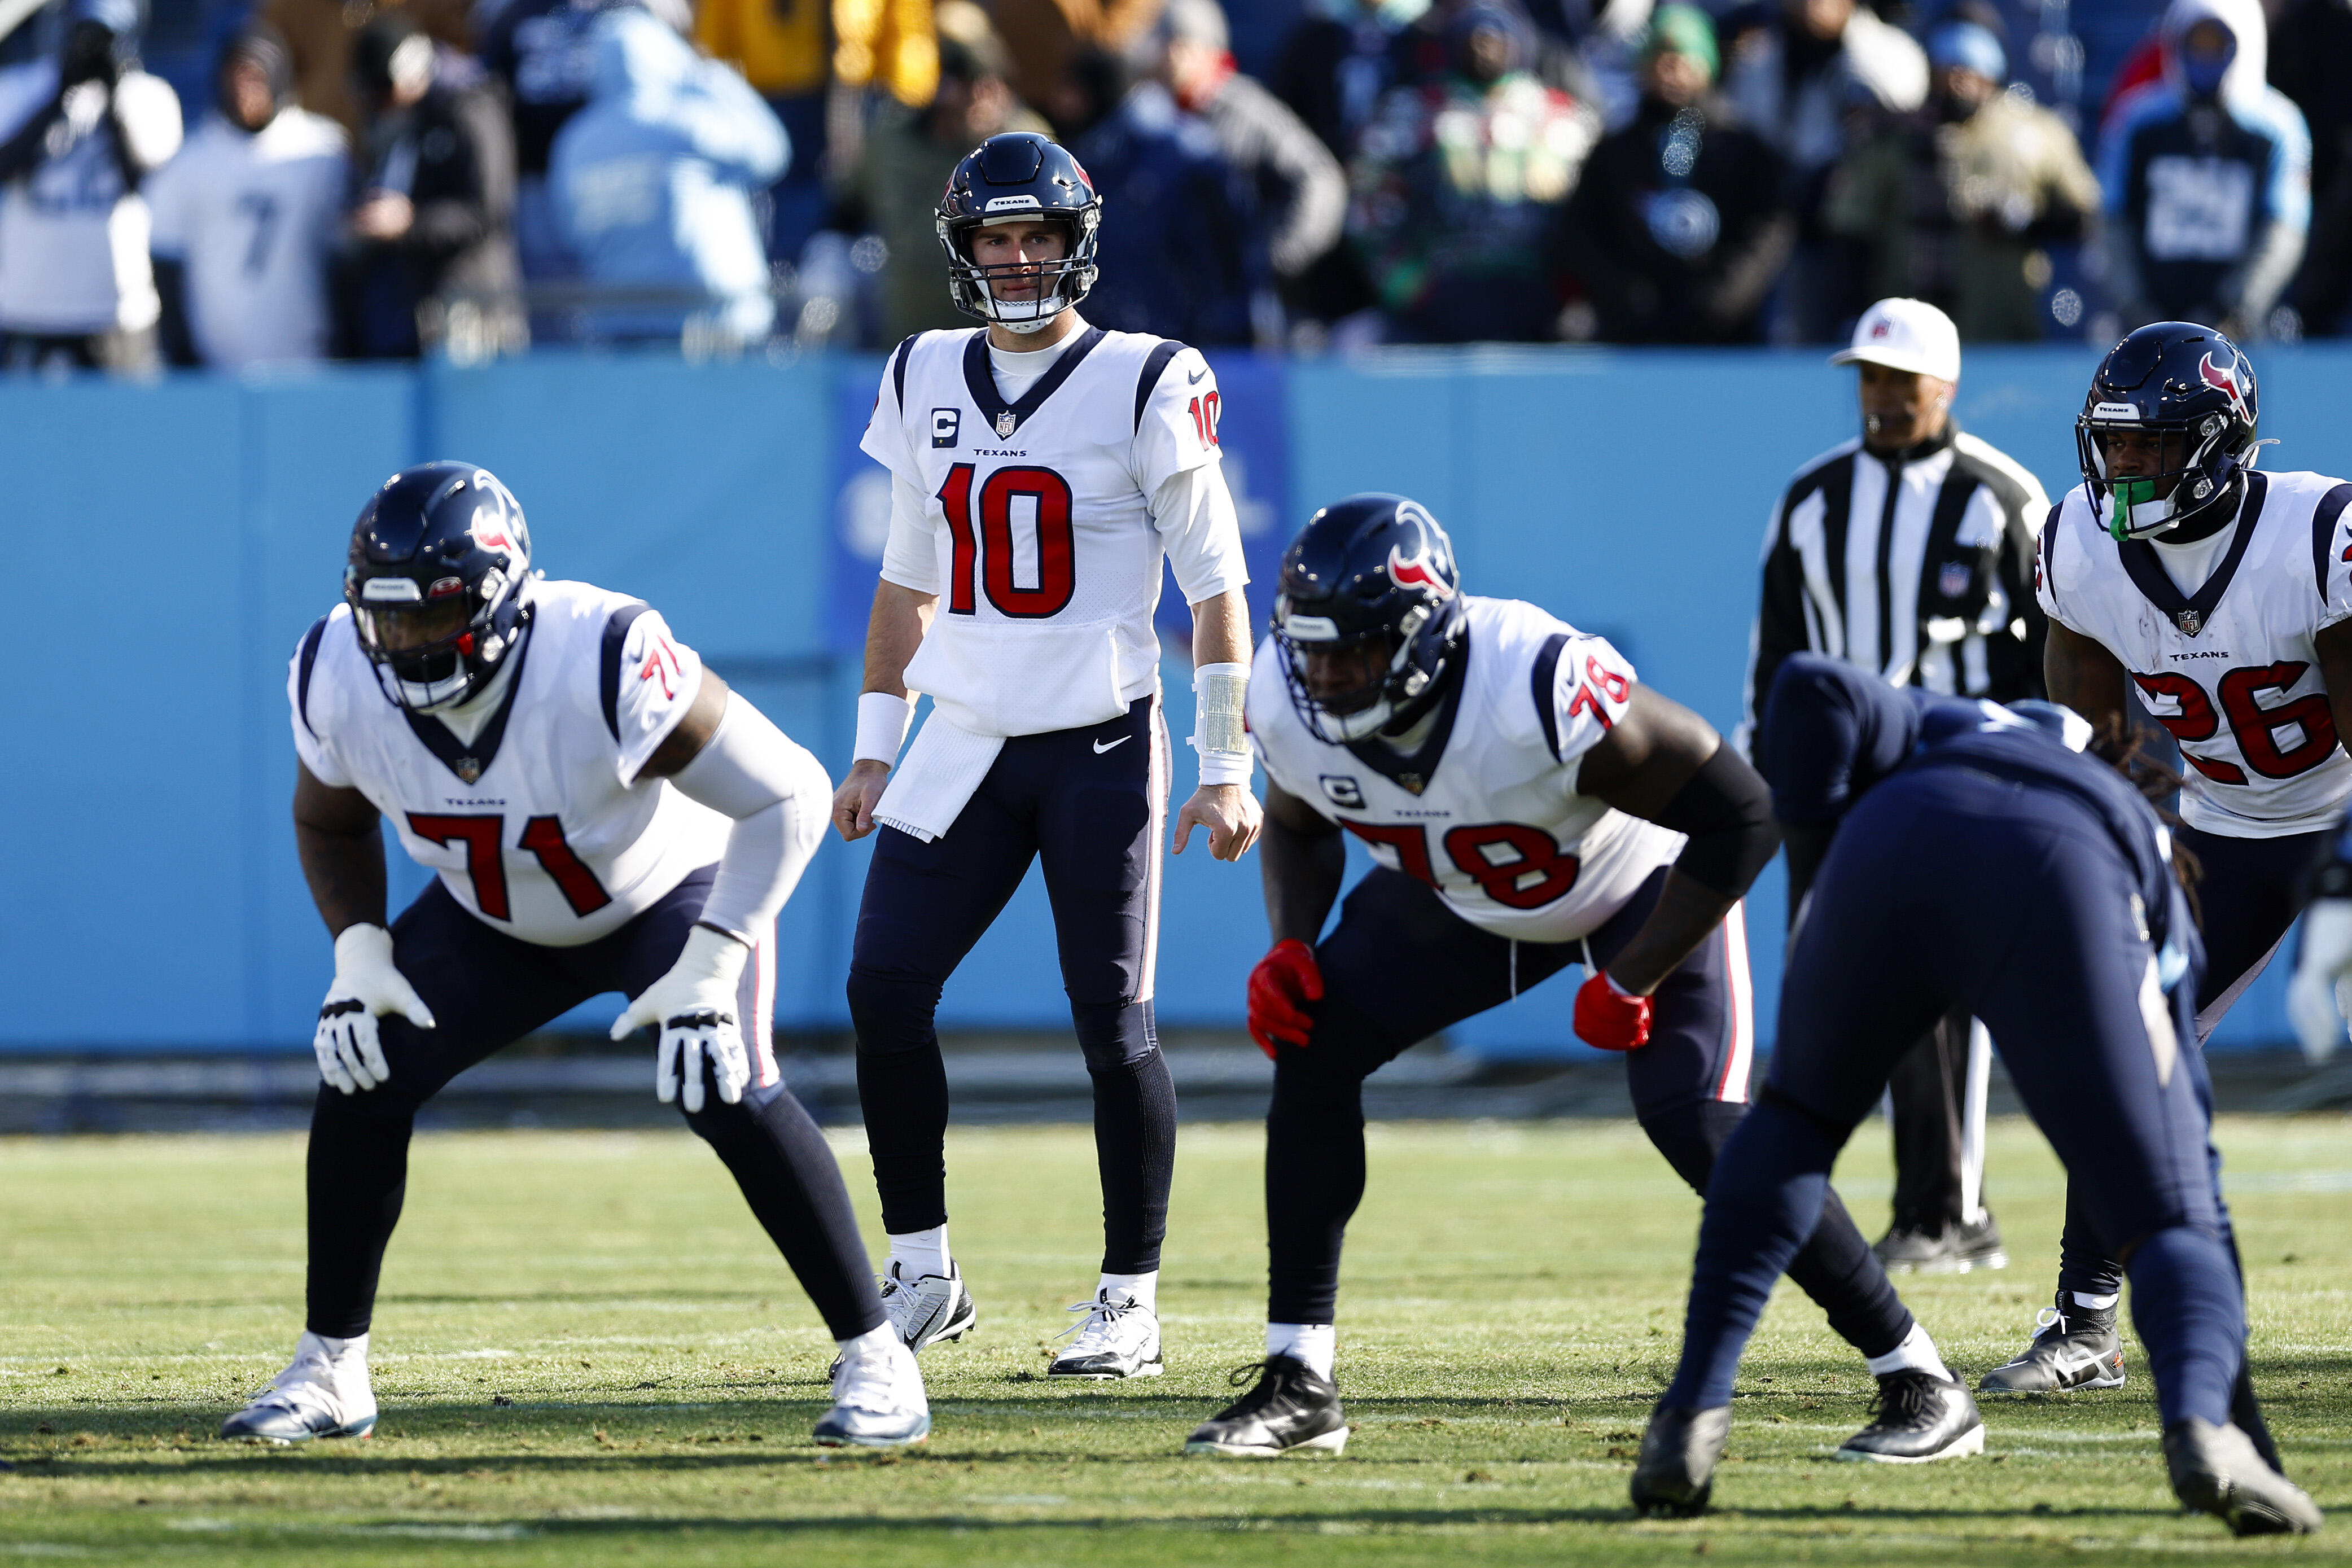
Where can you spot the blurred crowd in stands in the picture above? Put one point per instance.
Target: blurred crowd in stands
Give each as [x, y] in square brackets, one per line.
[376, 179]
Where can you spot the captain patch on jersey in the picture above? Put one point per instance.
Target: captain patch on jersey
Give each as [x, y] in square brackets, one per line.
[1492, 819]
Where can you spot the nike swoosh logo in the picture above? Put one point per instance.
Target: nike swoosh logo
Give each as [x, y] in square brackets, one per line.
[1102, 746]
[1194, 379]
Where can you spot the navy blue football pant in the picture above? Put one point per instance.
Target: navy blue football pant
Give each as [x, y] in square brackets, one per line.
[2249, 891]
[1949, 888]
[488, 989]
[1090, 804]
[1400, 966]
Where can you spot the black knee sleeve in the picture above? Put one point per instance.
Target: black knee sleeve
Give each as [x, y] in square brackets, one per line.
[1314, 1181]
[356, 1179]
[1134, 1129]
[902, 1086]
[788, 1175]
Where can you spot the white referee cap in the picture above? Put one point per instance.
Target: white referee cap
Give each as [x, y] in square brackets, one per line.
[1906, 334]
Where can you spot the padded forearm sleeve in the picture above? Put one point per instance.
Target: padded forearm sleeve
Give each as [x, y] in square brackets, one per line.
[779, 796]
[1727, 812]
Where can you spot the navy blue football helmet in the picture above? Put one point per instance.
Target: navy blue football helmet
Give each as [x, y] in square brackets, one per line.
[2191, 388]
[1371, 569]
[1018, 175]
[434, 582]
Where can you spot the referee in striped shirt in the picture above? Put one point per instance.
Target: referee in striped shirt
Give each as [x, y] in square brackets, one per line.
[1909, 551]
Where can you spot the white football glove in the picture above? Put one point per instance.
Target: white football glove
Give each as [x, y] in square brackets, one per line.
[2316, 997]
[694, 1005]
[366, 984]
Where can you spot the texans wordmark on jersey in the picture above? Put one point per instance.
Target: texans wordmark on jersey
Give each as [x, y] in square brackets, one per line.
[533, 820]
[1489, 814]
[2230, 670]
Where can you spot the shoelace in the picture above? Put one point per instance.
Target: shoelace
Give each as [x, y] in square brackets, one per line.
[1904, 1400]
[301, 1389]
[1268, 1396]
[1096, 1328]
[2047, 1318]
[867, 1382]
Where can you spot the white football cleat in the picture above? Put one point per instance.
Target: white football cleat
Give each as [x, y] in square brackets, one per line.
[877, 1399]
[321, 1395]
[1119, 1339]
[930, 1308]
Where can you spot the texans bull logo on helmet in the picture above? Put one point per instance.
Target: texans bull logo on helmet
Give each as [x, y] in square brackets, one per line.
[2224, 378]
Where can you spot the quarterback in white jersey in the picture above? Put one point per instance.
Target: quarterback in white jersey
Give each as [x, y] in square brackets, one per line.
[246, 217]
[2217, 593]
[1041, 470]
[1530, 805]
[602, 814]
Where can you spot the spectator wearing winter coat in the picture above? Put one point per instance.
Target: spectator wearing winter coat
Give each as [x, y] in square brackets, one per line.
[909, 154]
[1340, 61]
[653, 183]
[1457, 187]
[78, 135]
[2208, 178]
[1176, 260]
[247, 218]
[1959, 205]
[1678, 228]
[1806, 82]
[1301, 195]
[430, 252]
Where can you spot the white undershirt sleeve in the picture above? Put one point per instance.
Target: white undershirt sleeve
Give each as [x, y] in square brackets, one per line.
[1198, 526]
[779, 796]
[910, 556]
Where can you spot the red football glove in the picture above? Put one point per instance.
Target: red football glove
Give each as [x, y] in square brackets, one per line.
[1284, 980]
[1612, 1019]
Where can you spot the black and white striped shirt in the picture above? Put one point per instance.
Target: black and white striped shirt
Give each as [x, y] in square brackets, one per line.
[1918, 565]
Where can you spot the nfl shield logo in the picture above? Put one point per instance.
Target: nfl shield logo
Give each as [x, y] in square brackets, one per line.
[1955, 578]
[1005, 423]
[469, 768]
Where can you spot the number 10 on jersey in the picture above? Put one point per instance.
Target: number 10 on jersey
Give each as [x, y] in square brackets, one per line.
[985, 550]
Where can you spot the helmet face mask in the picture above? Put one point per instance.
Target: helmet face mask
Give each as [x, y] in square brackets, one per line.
[439, 559]
[1018, 177]
[2167, 432]
[1369, 583]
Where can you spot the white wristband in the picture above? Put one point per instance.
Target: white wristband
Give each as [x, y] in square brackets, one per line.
[882, 722]
[1219, 734]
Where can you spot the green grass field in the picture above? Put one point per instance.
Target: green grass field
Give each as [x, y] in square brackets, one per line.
[586, 1352]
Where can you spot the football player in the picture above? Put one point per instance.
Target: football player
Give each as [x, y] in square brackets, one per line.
[2221, 594]
[1971, 854]
[601, 813]
[1530, 805]
[1041, 470]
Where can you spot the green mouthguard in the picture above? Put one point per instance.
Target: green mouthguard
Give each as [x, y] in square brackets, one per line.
[2127, 494]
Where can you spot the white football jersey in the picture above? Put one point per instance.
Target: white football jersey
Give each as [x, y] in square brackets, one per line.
[2230, 670]
[548, 839]
[255, 218]
[73, 241]
[1036, 530]
[1488, 813]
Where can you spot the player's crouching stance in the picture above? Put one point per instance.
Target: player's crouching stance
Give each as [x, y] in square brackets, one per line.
[604, 813]
[1989, 867]
[1530, 806]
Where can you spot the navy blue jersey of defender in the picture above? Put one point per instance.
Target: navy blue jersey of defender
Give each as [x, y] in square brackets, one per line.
[1832, 731]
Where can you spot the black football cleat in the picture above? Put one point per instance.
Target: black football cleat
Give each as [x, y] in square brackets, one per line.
[1976, 1244]
[2073, 1347]
[1913, 1248]
[1921, 1418]
[2217, 1470]
[1293, 1408]
[1676, 1472]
